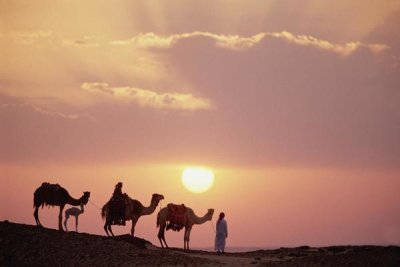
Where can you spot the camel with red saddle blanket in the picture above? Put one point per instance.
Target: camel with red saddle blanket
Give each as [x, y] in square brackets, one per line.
[177, 217]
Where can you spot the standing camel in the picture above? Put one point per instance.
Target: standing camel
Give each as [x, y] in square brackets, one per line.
[191, 219]
[133, 211]
[73, 212]
[55, 195]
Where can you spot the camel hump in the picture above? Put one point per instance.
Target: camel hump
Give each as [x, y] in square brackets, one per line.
[176, 206]
[49, 186]
[49, 194]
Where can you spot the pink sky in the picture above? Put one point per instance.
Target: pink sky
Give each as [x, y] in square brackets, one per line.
[293, 105]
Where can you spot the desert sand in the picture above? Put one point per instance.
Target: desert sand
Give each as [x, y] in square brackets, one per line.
[27, 245]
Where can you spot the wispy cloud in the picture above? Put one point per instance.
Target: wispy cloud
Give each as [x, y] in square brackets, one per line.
[148, 98]
[44, 111]
[342, 49]
[49, 39]
[236, 42]
[152, 40]
[86, 41]
[43, 38]
[31, 37]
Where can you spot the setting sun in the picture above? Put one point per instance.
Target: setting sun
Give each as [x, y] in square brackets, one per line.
[197, 180]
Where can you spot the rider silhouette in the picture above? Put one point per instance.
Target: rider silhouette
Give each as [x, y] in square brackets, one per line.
[119, 205]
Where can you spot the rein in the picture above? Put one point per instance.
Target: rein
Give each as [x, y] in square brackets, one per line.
[94, 204]
[213, 227]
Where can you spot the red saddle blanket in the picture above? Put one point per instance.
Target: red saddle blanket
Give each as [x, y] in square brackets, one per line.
[176, 214]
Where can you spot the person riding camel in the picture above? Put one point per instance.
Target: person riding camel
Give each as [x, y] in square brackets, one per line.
[119, 205]
[117, 191]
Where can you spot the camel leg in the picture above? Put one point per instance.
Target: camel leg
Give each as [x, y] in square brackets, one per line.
[65, 222]
[76, 223]
[186, 238]
[110, 230]
[165, 242]
[60, 219]
[105, 227]
[161, 236]
[36, 215]
[134, 222]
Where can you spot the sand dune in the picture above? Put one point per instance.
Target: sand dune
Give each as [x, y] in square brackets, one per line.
[27, 245]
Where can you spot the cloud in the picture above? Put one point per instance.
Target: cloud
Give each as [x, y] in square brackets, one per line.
[85, 41]
[152, 40]
[344, 50]
[37, 38]
[236, 42]
[148, 98]
[302, 104]
[7, 103]
[46, 39]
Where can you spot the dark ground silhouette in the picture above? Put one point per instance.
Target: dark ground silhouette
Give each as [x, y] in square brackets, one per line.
[27, 245]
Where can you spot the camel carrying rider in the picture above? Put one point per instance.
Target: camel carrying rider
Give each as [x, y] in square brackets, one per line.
[118, 205]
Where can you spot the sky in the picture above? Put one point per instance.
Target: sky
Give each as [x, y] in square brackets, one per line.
[293, 104]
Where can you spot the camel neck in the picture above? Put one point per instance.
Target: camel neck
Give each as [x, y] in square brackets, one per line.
[150, 209]
[200, 220]
[74, 202]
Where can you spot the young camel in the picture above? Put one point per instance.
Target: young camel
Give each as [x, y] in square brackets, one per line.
[73, 212]
[191, 219]
[55, 195]
[133, 211]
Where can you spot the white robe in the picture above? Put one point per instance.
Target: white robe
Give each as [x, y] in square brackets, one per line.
[221, 234]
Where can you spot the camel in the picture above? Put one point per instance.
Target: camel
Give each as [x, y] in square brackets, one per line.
[73, 212]
[55, 195]
[133, 211]
[191, 219]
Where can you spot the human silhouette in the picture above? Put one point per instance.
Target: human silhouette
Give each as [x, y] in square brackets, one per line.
[118, 207]
[221, 234]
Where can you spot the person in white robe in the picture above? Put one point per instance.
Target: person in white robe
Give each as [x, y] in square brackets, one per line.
[221, 234]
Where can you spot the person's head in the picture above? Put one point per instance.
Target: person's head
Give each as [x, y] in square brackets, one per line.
[119, 185]
[221, 216]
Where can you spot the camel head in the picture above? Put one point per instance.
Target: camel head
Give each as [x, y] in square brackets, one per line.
[157, 198]
[210, 214]
[85, 197]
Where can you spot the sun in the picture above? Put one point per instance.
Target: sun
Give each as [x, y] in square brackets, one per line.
[197, 179]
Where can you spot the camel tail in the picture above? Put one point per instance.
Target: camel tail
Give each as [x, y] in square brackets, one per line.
[158, 220]
[36, 199]
[103, 212]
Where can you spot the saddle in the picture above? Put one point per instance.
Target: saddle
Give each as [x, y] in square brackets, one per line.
[117, 210]
[176, 217]
[51, 187]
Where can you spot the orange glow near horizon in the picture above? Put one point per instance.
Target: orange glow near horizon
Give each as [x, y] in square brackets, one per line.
[284, 195]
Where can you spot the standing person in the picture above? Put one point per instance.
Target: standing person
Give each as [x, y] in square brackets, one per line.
[221, 234]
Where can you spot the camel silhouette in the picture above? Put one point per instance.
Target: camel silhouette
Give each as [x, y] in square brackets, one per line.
[73, 212]
[133, 211]
[190, 219]
[55, 195]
